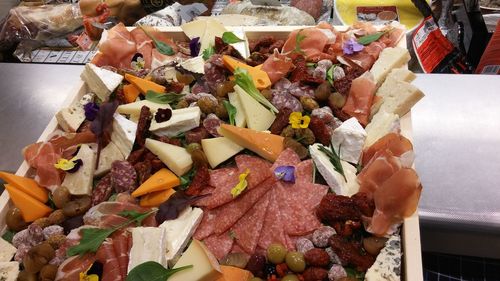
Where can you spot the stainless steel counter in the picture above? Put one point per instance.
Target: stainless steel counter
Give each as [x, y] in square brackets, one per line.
[456, 138]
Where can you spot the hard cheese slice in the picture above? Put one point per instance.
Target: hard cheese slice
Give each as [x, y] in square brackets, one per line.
[26, 185]
[135, 107]
[182, 120]
[240, 119]
[177, 159]
[205, 265]
[144, 85]
[161, 180]
[219, 150]
[154, 199]
[109, 154]
[268, 146]
[31, 209]
[257, 116]
[232, 273]
[389, 59]
[80, 182]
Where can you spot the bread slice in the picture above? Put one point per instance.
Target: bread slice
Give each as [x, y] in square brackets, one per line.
[389, 59]
[399, 97]
[382, 124]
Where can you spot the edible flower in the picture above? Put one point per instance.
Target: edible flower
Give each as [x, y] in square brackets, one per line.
[242, 185]
[194, 46]
[138, 62]
[163, 115]
[70, 166]
[352, 46]
[91, 277]
[91, 110]
[298, 121]
[285, 173]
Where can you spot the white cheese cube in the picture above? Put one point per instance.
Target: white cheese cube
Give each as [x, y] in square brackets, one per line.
[205, 265]
[80, 182]
[123, 135]
[182, 120]
[134, 108]
[387, 266]
[9, 271]
[258, 117]
[109, 154]
[177, 159]
[219, 150]
[196, 65]
[148, 244]
[178, 232]
[382, 124]
[350, 138]
[240, 119]
[101, 81]
[348, 186]
[70, 118]
[7, 251]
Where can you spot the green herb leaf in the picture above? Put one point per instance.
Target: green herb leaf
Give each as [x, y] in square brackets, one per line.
[229, 38]
[245, 81]
[367, 39]
[8, 235]
[152, 271]
[329, 75]
[231, 111]
[187, 178]
[208, 52]
[138, 217]
[162, 47]
[298, 40]
[163, 98]
[334, 159]
[311, 64]
[351, 272]
[359, 168]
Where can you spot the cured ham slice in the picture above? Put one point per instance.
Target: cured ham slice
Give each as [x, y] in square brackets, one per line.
[106, 214]
[360, 98]
[71, 268]
[144, 46]
[220, 245]
[397, 144]
[313, 42]
[111, 266]
[258, 167]
[395, 199]
[117, 50]
[277, 66]
[381, 167]
[42, 157]
[122, 247]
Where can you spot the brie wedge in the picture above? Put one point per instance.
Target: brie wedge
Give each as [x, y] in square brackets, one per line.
[148, 244]
[350, 138]
[123, 135]
[101, 81]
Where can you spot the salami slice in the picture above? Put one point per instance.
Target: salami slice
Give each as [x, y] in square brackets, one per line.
[102, 191]
[247, 230]
[223, 180]
[272, 231]
[212, 124]
[219, 245]
[304, 172]
[230, 213]
[308, 195]
[123, 177]
[259, 169]
[207, 224]
[287, 158]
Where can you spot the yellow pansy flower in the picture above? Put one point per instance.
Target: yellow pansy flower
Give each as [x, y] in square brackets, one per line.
[242, 184]
[91, 277]
[298, 121]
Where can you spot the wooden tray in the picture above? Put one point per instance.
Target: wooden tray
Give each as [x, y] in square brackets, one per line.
[412, 256]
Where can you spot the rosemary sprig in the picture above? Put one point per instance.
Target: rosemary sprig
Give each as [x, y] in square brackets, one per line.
[334, 159]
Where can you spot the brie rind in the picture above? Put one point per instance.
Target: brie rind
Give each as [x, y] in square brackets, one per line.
[70, 118]
[182, 120]
[80, 182]
[101, 81]
[350, 138]
[123, 135]
[148, 244]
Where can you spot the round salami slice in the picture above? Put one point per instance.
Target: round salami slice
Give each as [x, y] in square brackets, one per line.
[123, 177]
[102, 191]
[223, 180]
[273, 229]
[212, 124]
[219, 245]
[285, 100]
[304, 172]
[206, 227]
[287, 158]
[259, 168]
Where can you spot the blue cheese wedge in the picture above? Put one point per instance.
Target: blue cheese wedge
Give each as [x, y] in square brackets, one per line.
[123, 135]
[334, 179]
[350, 138]
[9, 271]
[178, 232]
[387, 266]
[382, 124]
[182, 120]
[70, 118]
[134, 108]
[148, 244]
[7, 251]
[205, 265]
[101, 81]
[80, 182]
[109, 154]
[177, 159]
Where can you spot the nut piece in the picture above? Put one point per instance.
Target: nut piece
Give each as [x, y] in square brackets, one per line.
[38, 257]
[57, 217]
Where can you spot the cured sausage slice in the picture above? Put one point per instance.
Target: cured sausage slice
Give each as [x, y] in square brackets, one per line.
[287, 158]
[304, 172]
[207, 224]
[259, 169]
[219, 245]
[273, 229]
[223, 180]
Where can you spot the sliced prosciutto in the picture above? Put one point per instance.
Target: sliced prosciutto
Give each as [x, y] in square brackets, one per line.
[111, 266]
[122, 247]
[106, 214]
[277, 66]
[144, 45]
[360, 98]
[118, 48]
[381, 167]
[71, 268]
[397, 144]
[42, 157]
[311, 42]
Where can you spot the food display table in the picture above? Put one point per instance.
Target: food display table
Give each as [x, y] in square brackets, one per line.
[456, 132]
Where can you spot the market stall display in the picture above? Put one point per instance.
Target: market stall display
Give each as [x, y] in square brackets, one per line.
[254, 114]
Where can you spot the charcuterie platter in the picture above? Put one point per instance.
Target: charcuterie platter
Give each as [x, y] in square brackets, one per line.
[207, 152]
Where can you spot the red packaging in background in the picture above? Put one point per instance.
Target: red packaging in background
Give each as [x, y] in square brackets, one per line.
[490, 60]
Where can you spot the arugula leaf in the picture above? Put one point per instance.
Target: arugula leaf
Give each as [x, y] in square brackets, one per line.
[334, 159]
[187, 178]
[152, 271]
[230, 38]
[231, 111]
[92, 238]
[163, 98]
[8, 235]
[367, 39]
[244, 80]
[170, 209]
[162, 47]
[208, 52]
[138, 217]
[298, 40]
[351, 272]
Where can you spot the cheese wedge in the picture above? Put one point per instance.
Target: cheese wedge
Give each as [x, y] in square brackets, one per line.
[161, 180]
[109, 154]
[148, 244]
[31, 209]
[70, 118]
[100, 81]
[350, 138]
[195, 28]
[155, 199]
[389, 59]
[80, 182]
[182, 120]
[398, 97]
[130, 92]
[382, 124]
[258, 117]
[144, 85]
[7, 251]
[135, 107]
[205, 265]
[177, 159]
[243, 46]
[26, 185]
[9, 271]
[259, 76]
[213, 29]
[231, 273]
[268, 146]
[123, 135]
[398, 74]
[219, 150]
[196, 65]
[240, 119]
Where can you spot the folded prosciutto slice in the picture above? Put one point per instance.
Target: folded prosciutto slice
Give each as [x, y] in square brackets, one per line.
[118, 48]
[106, 214]
[311, 42]
[397, 144]
[360, 98]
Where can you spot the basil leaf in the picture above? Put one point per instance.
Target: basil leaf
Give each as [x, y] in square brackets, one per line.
[229, 38]
[92, 239]
[231, 111]
[8, 235]
[163, 98]
[367, 39]
[162, 47]
[187, 178]
[152, 271]
[208, 52]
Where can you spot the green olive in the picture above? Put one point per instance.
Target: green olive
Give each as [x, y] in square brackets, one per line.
[290, 277]
[14, 220]
[336, 100]
[295, 261]
[256, 279]
[276, 253]
[61, 196]
[192, 147]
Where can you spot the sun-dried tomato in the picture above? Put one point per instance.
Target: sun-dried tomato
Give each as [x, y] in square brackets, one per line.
[173, 86]
[351, 253]
[143, 126]
[320, 130]
[300, 73]
[199, 181]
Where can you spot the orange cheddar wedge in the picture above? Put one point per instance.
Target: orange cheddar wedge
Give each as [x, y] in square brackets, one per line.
[31, 209]
[144, 85]
[156, 198]
[231, 273]
[268, 146]
[259, 77]
[131, 93]
[26, 185]
[161, 180]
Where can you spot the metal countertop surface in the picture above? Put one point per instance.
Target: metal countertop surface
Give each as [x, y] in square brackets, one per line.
[456, 130]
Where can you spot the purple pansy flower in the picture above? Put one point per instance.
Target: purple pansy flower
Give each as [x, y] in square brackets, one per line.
[91, 110]
[352, 46]
[78, 164]
[285, 173]
[194, 46]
